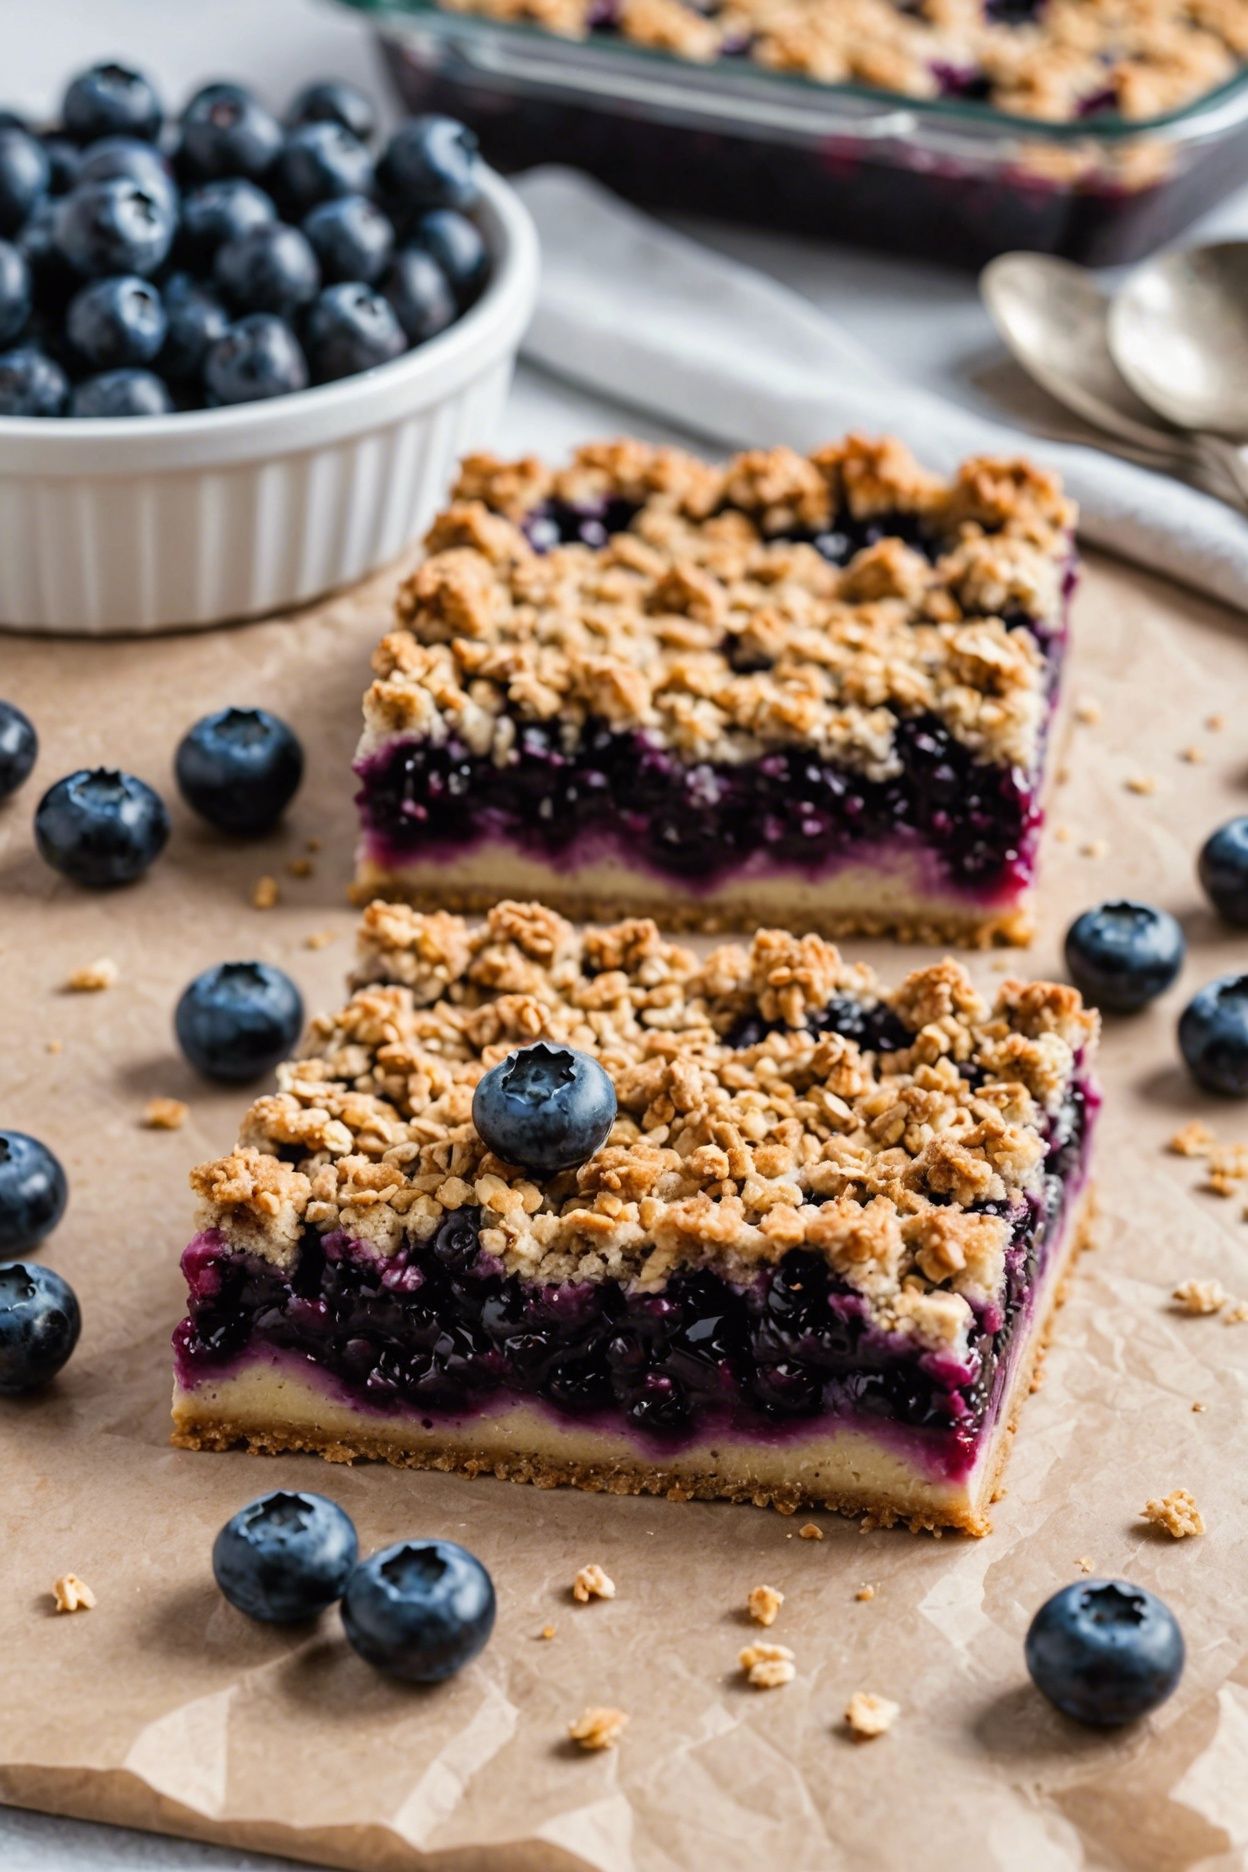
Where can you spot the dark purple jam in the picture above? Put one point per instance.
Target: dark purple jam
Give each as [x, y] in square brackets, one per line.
[704, 821]
[439, 1326]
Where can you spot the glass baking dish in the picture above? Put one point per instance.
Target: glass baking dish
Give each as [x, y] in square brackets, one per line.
[950, 180]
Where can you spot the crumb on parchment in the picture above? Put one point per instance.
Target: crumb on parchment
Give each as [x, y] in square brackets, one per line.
[1200, 1296]
[869, 1715]
[592, 1583]
[865, 1593]
[93, 977]
[1192, 1140]
[598, 1727]
[1088, 711]
[72, 1594]
[1176, 1512]
[1094, 848]
[1084, 1564]
[1193, 755]
[763, 1604]
[301, 867]
[264, 893]
[165, 1114]
[767, 1666]
[1143, 784]
[320, 939]
[547, 1631]
[1198, 1406]
[808, 1531]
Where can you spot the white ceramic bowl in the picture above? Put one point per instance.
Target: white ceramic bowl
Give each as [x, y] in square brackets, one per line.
[136, 526]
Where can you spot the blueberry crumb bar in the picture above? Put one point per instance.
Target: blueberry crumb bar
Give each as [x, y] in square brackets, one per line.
[813, 1263]
[809, 690]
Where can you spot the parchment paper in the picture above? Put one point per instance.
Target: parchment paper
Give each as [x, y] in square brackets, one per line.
[163, 1708]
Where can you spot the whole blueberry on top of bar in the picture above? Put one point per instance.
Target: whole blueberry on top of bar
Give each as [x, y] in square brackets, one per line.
[544, 1107]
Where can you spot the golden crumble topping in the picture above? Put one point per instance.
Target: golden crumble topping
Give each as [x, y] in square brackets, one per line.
[165, 1114]
[592, 1583]
[763, 1603]
[1200, 1296]
[1176, 1512]
[767, 1666]
[93, 977]
[722, 1155]
[869, 1715]
[703, 626]
[1139, 57]
[598, 1728]
[72, 1594]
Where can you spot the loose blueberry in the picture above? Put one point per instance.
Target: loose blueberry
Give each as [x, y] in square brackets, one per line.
[64, 159]
[317, 162]
[420, 293]
[352, 239]
[39, 1326]
[33, 1193]
[258, 357]
[1123, 955]
[239, 769]
[285, 1557]
[331, 101]
[1105, 1652]
[236, 1021]
[19, 748]
[217, 212]
[546, 1108]
[459, 248]
[194, 320]
[1213, 1036]
[349, 329]
[111, 100]
[225, 132]
[420, 1610]
[31, 384]
[15, 292]
[25, 174]
[116, 322]
[114, 226]
[431, 162]
[100, 827]
[127, 156]
[270, 268]
[121, 393]
[1224, 871]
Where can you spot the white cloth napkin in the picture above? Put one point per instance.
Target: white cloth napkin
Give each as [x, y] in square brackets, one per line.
[657, 322]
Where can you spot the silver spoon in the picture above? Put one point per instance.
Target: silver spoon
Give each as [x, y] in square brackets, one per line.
[1178, 332]
[1053, 316]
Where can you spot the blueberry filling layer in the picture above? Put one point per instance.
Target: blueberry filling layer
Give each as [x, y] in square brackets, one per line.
[704, 821]
[440, 1329]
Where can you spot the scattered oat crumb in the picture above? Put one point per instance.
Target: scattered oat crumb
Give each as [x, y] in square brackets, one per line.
[320, 939]
[547, 1631]
[1236, 1313]
[1176, 1512]
[869, 1715]
[94, 977]
[864, 1593]
[301, 868]
[1200, 1296]
[808, 1531]
[72, 1594]
[1215, 723]
[1088, 711]
[768, 1666]
[54, 1046]
[264, 893]
[598, 1728]
[1094, 848]
[1143, 784]
[1194, 1140]
[1200, 1407]
[1193, 755]
[1062, 775]
[312, 845]
[165, 1114]
[1063, 834]
[1229, 1163]
[592, 1583]
[764, 1602]
[1084, 1564]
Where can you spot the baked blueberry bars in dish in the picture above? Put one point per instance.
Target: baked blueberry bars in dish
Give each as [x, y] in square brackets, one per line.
[814, 690]
[813, 1260]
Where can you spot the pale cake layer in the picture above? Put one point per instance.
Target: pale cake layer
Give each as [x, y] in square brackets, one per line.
[856, 900]
[271, 1407]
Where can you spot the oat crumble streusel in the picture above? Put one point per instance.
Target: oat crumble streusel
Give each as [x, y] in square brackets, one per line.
[72, 1594]
[592, 1582]
[868, 1715]
[764, 1603]
[767, 1666]
[1175, 1513]
[598, 1727]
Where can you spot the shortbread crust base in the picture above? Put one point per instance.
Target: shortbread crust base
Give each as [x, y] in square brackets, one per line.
[271, 1410]
[856, 900]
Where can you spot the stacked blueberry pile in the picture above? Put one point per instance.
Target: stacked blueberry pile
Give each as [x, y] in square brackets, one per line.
[150, 265]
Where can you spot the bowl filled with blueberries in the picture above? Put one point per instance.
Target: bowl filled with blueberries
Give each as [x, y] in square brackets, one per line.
[239, 352]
